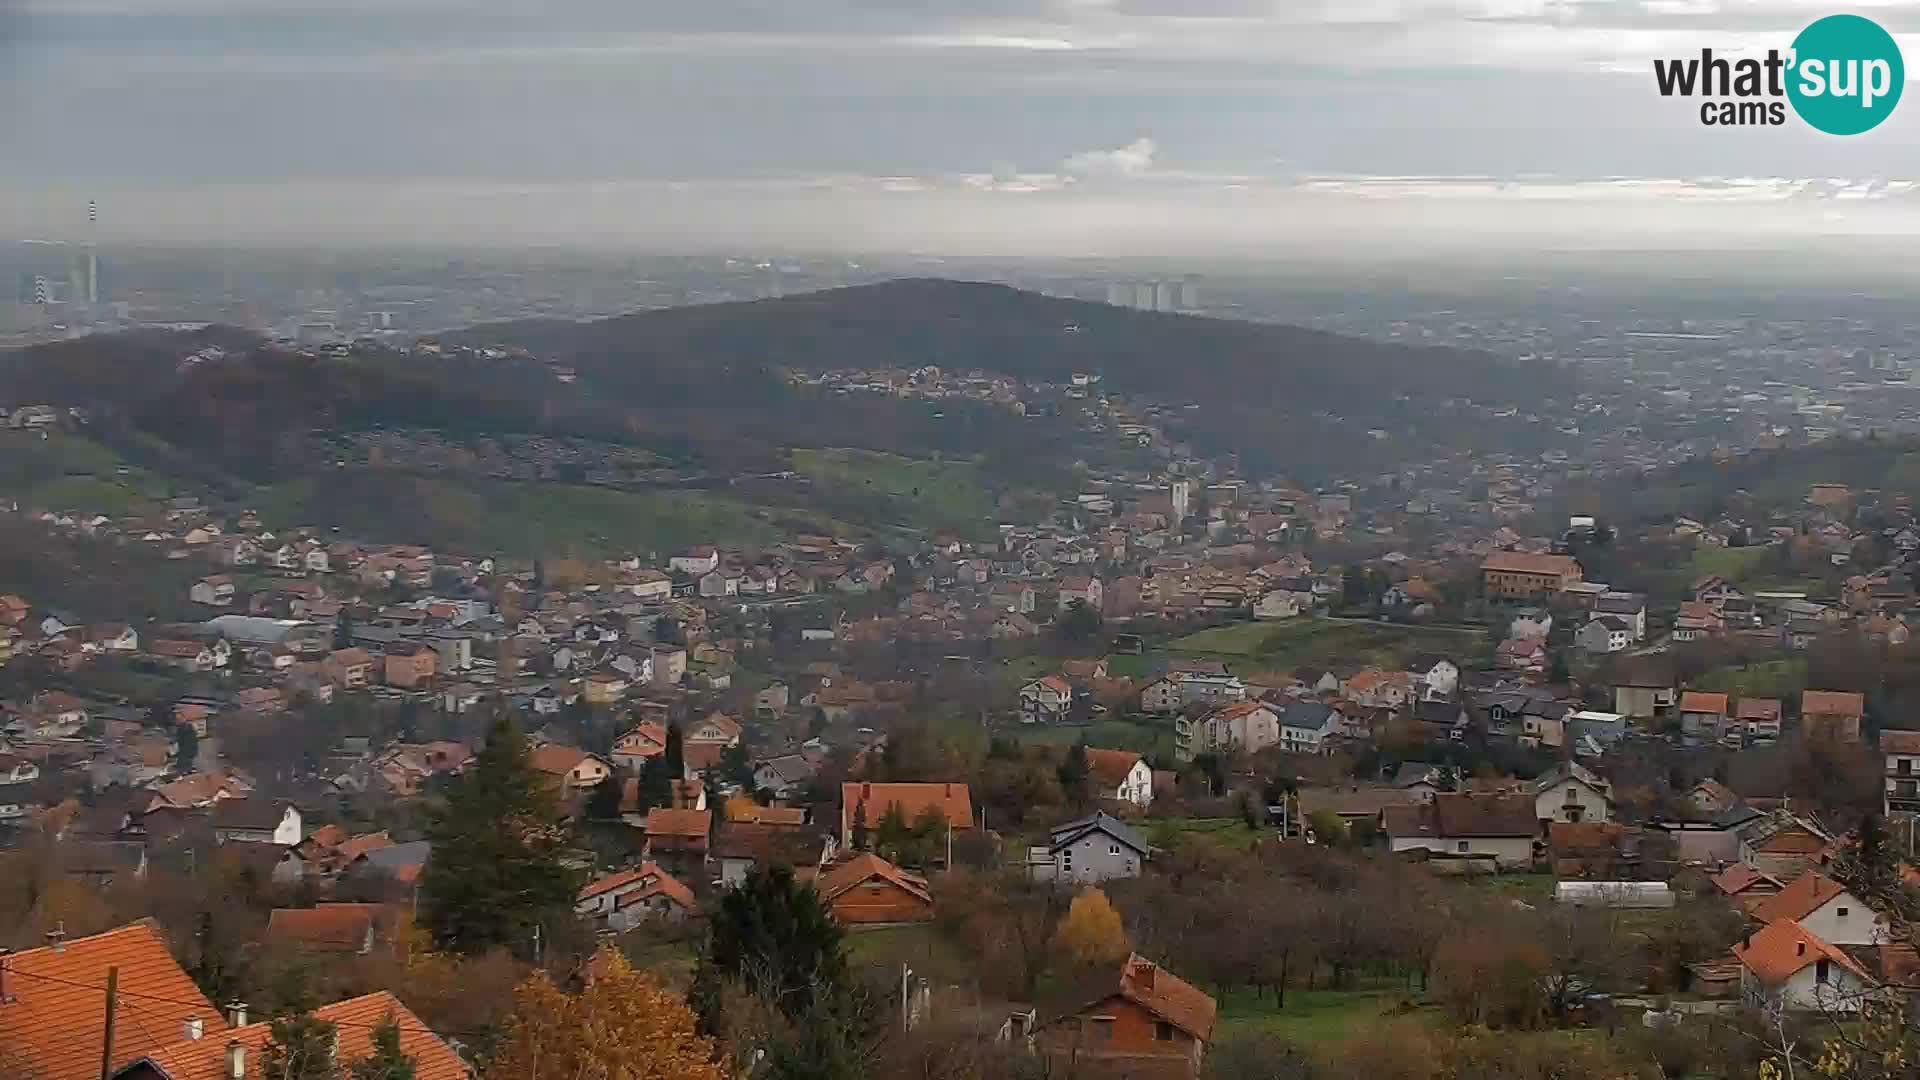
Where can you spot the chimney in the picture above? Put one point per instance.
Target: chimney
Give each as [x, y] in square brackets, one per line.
[237, 1014]
[236, 1060]
[4, 954]
[57, 937]
[191, 1029]
[866, 792]
[1143, 974]
[949, 791]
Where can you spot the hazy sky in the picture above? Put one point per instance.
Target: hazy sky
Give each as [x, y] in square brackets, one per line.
[1065, 125]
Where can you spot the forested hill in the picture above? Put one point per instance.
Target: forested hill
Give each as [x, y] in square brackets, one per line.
[1251, 377]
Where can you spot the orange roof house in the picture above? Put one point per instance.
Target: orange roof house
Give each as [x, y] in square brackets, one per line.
[52, 1015]
[1832, 714]
[1784, 948]
[953, 800]
[869, 890]
[1148, 1017]
[354, 1020]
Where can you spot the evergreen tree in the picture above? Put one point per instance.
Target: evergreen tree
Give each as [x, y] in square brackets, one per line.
[656, 786]
[300, 1048]
[1076, 775]
[186, 747]
[893, 833]
[775, 935]
[859, 836]
[603, 804]
[736, 765]
[387, 1062]
[496, 870]
[676, 753]
[343, 631]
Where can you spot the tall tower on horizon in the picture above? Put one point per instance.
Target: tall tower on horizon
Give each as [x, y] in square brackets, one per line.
[93, 253]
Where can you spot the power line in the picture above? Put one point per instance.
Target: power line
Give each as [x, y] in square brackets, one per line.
[125, 993]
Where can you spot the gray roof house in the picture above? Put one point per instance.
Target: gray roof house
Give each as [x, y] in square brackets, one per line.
[1094, 848]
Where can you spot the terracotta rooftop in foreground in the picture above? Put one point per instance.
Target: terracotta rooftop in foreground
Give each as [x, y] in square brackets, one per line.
[54, 1013]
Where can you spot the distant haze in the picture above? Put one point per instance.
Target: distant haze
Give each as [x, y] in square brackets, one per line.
[1102, 127]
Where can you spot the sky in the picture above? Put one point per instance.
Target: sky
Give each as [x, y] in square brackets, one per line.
[968, 126]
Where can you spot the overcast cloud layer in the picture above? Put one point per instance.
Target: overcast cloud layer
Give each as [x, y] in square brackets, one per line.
[1071, 126]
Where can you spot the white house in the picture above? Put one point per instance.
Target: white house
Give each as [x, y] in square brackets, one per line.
[1436, 677]
[695, 562]
[1305, 726]
[1826, 908]
[1087, 590]
[257, 821]
[1046, 700]
[1787, 965]
[1249, 726]
[1902, 774]
[1500, 828]
[1120, 775]
[1604, 634]
[1570, 792]
[1277, 604]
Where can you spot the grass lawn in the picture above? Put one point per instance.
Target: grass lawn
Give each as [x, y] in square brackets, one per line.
[1171, 832]
[1311, 1016]
[1146, 739]
[1734, 564]
[921, 494]
[1774, 678]
[71, 472]
[520, 520]
[1534, 889]
[1324, 643]
[921, 948]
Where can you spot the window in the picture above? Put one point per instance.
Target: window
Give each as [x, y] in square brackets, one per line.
[1162, 1031]
[1113, 849]
[1841, 912]
[1462, 847]
[1905, 767]
[1821, 971]
[1102, 1029]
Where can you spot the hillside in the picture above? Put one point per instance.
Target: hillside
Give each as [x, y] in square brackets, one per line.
[1754, 484]
[1284, 396]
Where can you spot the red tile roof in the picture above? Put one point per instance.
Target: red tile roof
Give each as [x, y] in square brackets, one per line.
[951, 799]
[54, 1011]
[1111, 767]
[864, 867]
[327, 928]
[1520, 562]
[1900, 742]
[355, 1018]
[1832, 702]
[1740, 877]
[1775, 953]
[1700, 701]
[1798, 900]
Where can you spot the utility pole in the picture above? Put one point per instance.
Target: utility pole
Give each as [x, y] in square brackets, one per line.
[106, 1041]
[536, 943]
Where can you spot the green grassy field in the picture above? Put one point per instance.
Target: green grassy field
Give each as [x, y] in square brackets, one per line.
[919, 494]
[1734, 564]
[1773, 678]
[1325, 642]
[1171, 832]
[1150, 740]
[520, 520]
[921, 948]
[71, 472]
[1310, 1016]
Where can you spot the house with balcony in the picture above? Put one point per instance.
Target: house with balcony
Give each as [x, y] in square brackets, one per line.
[1901, 750]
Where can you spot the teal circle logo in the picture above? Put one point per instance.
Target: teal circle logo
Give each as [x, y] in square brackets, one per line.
[1847, 75]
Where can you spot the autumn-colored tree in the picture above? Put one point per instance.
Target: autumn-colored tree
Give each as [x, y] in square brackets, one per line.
[1090, 933]
[388, 1061]
[1484, 976]
[624, 1025]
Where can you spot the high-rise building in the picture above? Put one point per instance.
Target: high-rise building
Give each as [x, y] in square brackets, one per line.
[1119, 294]
[1189, 296]
[1182, 488]
[1143, 296]
[1163, 296]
